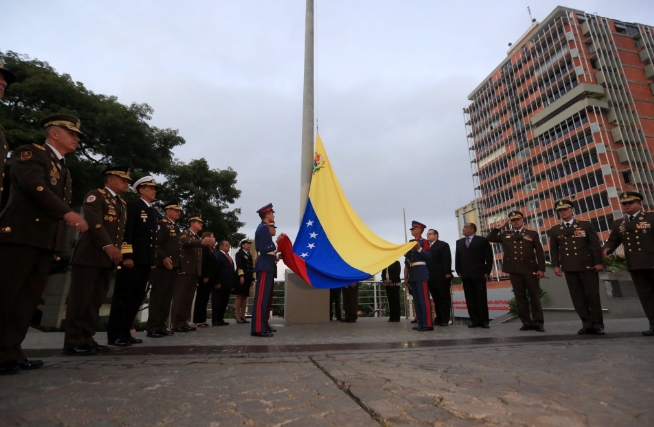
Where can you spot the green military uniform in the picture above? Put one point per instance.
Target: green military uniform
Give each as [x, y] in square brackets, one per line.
[637, 238]
[32, 229]
[169, 245]
[187, 278]
[523, 257]
[4, 147]
[575, 248]
[92, 269]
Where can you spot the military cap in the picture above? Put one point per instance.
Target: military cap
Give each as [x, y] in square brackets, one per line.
[244, 241]
[416, 224]
[145, 181]
[173, 205]
[120, 171]
[65, 121]
[515, 215]
[272, 224]
[9, 76]
[268, 207]
[630, 196]
[564, 204]
[196, 217]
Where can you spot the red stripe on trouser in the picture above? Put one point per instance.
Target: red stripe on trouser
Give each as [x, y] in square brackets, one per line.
[425, 292]
[259, 309]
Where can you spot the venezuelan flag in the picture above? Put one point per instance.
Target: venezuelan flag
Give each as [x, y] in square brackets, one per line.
[334, 248]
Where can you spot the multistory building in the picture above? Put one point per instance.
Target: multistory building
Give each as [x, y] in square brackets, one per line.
[569, 113]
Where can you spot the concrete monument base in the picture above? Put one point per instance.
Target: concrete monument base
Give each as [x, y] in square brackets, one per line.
[303, 303]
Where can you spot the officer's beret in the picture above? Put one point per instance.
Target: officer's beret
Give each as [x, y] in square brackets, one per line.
[564, 204]
[9, 76]
[515, 215]
[65, 121]
[173, 205]
[145, 181]
[196, 217]
[629, 196]
[268, 207]
[416, 224]
[120, 171]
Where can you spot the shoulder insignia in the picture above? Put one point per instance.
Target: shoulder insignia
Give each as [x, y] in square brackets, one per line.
[124, 202]
[164, 220]
[40, 147]
[102, 191]
[90, 199]
[25, 155]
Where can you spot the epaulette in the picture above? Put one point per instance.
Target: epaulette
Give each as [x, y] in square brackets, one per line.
[164, 220]
[124, 202]
[40, 147]
[126, 248]
[102, 191]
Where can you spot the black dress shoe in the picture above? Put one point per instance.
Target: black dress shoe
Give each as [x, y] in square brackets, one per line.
[9, 368]
[167, 333]
[99, 347]
[526, 328]
[443, 324]
[485, 325]
[26, 365]
[350, 320]
[425, 329]
[472, 325]
[539, 329]
[192, 328]
[261, 334]
[155, 334]
[583, 331]
[120, 342]
[598, 331]
[272, 330]
[219, 323]
[133, 340]
[414, 321]
[80, 350]
[649, 333]
[415, 328]
[182, 329]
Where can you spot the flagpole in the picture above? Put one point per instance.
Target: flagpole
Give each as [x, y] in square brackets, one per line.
[306, 159]
[405, 236]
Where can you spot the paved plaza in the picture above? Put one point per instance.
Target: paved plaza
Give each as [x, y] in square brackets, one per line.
[369, 373]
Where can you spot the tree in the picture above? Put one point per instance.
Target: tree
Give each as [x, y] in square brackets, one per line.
[206, 191]
[115, 133]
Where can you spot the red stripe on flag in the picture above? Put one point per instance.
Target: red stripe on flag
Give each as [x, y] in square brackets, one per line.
[292, 260]
[262, 287]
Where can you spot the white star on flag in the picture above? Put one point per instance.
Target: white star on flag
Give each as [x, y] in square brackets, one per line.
[313, 235]
[304, 255]
[309, 223]
[311, 246]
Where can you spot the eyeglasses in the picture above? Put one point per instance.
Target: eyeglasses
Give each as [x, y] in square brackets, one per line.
[628, 203]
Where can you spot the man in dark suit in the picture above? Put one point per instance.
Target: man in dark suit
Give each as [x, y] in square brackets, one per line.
[474, 263]
[224, 284]
[95, 259]
[169, 254]
[6, 78]
[440, 277]
[350, 303]
[265, 267]
[335, 304]
[524, 260]
[634, 232]
[139, 251]
[576, 251]
[32, 229]
[189, 274]
[391, 279]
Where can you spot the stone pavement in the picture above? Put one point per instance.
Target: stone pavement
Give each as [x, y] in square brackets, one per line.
[376, 374]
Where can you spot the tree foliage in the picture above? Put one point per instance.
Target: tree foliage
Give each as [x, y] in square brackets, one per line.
[116, 134]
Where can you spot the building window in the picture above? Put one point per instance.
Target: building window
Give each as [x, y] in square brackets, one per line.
[543, 239]
[620, 28]
[628, 179]
[533, 205]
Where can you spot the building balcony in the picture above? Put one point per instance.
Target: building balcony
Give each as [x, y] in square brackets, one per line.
[645, 56]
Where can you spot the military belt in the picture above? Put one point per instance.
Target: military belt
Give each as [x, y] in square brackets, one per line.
[413, 264]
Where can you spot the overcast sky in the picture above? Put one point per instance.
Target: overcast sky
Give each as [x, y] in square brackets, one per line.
[391, 80]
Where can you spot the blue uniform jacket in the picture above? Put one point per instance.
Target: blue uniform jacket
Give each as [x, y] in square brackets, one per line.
[418, 273]
[263, 243]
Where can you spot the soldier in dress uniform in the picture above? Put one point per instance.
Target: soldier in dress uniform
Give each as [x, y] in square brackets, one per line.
[6, 78]
[635, 233]
[189, 274]
[265, 269]
[524, 260]
[576, 250]
[32, 229]
[96, 256]
[169, 253]
[245, 273]
[138, 250]
[416, 275]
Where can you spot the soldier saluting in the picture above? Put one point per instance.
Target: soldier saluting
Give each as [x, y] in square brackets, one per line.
[634, 232]
[575, 248]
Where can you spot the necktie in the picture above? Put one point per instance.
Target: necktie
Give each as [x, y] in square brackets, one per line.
[631, 218]
[467, 242]
[567, 225]
[229, 258]
[63, 161]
